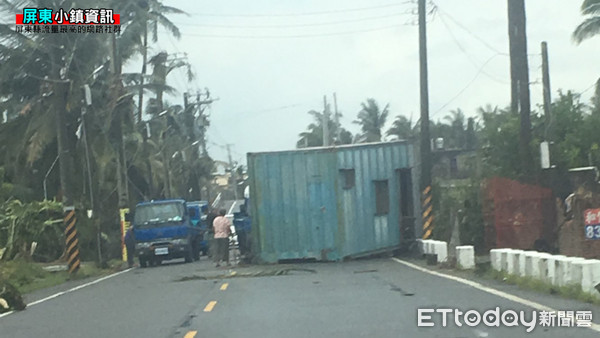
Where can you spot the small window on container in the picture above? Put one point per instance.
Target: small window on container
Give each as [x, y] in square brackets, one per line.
[348, 178]
[382, 198]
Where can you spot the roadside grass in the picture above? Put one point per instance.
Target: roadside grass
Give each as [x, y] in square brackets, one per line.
[29, 276]
[573, 291]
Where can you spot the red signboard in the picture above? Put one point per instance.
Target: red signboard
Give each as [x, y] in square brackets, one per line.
[591, 219]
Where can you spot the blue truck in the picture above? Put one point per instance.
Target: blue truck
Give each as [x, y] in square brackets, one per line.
[199, 210]
[164, 230]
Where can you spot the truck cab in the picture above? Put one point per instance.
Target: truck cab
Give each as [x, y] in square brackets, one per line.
[199, 211]
[163, 230]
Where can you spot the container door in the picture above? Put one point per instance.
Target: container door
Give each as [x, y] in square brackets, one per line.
[322, 239]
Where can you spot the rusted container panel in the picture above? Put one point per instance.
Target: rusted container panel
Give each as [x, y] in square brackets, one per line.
[518, 214]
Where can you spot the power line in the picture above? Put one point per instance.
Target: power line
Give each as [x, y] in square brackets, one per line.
[296, 36]
[255, 113]
[590, 87]
[494, 49]
[338, 11]
[469, 57]
[297, 25]
[183, 81]
[465, 87]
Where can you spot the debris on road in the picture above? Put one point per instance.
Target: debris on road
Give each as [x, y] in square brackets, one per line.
[249, 274]
[10, 298]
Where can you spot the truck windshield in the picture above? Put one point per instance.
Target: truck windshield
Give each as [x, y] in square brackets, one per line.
[155, 214]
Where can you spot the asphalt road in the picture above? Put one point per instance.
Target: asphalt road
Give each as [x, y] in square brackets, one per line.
[367, 298]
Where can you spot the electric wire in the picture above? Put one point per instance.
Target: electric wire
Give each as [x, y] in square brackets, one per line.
[328, 12]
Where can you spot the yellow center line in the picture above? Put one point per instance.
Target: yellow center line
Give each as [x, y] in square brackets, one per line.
[190, 334]
[209, 307]
[224, 286]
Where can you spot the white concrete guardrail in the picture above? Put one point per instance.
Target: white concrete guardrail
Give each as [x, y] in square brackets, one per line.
[558, 270]
[433, 247]
[465, 255]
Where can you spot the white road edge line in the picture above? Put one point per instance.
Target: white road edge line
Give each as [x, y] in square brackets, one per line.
[534, 305]
[70, 290]
[216, 201]
[231, 209]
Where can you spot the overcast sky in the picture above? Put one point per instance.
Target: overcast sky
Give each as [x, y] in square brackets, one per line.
[270, 62]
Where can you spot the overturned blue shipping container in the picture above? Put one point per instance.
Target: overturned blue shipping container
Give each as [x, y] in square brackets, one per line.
[332, 202]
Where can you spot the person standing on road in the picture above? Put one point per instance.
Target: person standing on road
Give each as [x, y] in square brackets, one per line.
[222, 227]
[210, 219]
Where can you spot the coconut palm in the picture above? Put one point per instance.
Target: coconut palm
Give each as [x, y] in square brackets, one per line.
[591, 25]
[456, 120]
[153, 14]
[313, 136]
[402, 128]
[371, 120]
[162, 66]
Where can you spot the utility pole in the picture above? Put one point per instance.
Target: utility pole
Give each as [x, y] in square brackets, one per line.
[232, 171]
[65, 159]
[520, 77]
[547, 92]
[427, 209]
[117, 91]
[337, 119]
[144, 65]
[200, 105]
[325, 122]
[87, 102]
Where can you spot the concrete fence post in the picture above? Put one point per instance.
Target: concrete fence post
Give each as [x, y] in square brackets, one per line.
[465, 257]
[441, 250]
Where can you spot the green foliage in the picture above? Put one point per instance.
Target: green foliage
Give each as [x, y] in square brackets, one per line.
[591, 25]
[459, 199]
[572, 291]
[24, 223]
[403, 129]
[28, 276]
[372, 119]
[28, 147]
[499, 141]
[313, 137]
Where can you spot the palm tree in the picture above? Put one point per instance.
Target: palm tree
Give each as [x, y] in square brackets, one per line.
[162, 66]
[153, 14]
[456, 120]
[591, 25]
[28, 139]
[402, 128]
[313, 137]
[372, 120]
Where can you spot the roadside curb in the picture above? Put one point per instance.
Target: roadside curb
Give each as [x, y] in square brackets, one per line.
[481, 287]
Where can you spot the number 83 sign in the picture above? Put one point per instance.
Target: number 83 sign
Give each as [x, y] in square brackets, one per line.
[592, 223]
